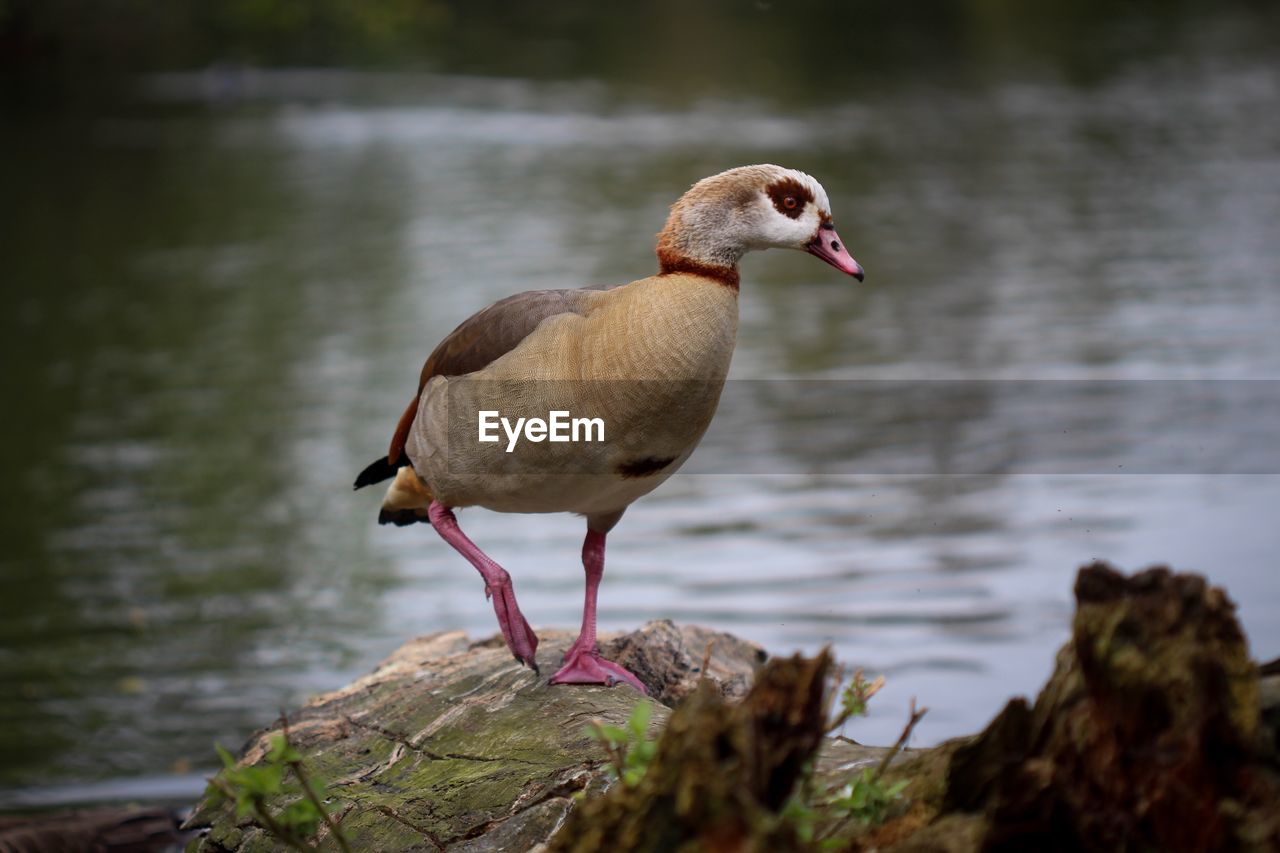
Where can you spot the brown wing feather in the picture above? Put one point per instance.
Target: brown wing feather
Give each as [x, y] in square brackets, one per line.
[402, 430]
[483, 338]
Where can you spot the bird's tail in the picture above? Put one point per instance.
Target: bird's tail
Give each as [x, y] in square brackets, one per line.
[379, 470]
[407, 499]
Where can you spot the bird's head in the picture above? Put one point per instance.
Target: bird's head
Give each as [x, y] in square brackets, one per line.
[727, 215]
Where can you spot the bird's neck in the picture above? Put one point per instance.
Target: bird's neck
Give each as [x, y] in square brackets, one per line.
[672, 262]
[696, 242]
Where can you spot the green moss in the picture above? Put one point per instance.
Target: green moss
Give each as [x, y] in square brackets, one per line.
[441, 753]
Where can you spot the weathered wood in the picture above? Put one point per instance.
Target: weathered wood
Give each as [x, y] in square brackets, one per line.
[1149, 734]
[107, 830]
[452, 744]
[721, 774]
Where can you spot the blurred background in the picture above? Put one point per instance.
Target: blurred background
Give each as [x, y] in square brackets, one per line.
[230, 232]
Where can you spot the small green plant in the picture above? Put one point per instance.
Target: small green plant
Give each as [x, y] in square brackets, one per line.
[854, 699]
[629, 748]
[250, 788]
[866, 798]
[797, 810]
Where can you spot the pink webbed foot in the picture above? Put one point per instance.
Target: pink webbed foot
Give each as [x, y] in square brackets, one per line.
[585, 666]
[520, 638]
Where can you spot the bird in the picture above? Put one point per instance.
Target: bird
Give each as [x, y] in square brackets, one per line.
[647, 359]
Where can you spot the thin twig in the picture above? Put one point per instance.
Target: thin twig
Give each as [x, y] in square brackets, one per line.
[334, 829]
[277, 830]
[616, 755]
[310, 793]
[916, 716]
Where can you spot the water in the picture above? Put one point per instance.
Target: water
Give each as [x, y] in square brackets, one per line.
[219, 292]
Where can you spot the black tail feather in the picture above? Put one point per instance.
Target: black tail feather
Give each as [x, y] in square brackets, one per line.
[382, 469]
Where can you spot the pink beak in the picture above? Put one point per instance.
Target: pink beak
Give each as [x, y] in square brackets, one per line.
[827, 245]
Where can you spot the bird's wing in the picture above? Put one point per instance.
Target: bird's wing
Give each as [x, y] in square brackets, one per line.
[486, 336]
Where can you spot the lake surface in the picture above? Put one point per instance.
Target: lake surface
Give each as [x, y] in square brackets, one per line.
[218, 294]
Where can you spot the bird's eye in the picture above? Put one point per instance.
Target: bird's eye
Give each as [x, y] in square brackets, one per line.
[790, 202]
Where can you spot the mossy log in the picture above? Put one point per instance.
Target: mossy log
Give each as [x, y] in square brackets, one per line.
[1155, 731]
[450, 744]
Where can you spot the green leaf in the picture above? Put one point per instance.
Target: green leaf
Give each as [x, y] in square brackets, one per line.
[244, 805]
[613, 735]
[632, 743]
[301, 816]
[639, 721]
[801, 816]
[319, 784]
[261, 780]
[282, 752]
[852, 705]
[228, 760]
[213, 795]
[645, 749]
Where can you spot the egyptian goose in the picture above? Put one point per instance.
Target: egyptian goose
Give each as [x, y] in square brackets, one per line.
[647, 359]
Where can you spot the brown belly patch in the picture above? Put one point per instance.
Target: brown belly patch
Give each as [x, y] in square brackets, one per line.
[646, 467]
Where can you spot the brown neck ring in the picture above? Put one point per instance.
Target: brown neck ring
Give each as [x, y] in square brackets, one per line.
[669, 262]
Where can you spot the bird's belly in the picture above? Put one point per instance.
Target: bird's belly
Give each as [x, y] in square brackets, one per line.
[475, 446]
[582, 494]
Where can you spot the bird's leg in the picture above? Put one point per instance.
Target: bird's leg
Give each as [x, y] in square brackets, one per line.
[497, 585]
[582, 663]
[593, 564]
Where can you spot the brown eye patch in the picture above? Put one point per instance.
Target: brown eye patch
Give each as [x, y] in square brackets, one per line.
[789, 197]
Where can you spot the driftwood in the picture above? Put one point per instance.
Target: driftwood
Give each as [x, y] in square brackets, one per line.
[1156, 731]
[95, 830]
